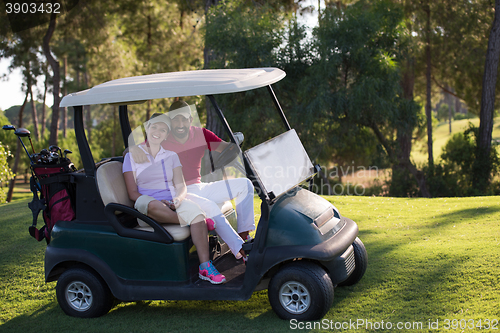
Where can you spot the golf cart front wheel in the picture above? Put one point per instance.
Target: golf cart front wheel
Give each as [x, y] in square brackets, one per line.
[80, 293]
[301, 291]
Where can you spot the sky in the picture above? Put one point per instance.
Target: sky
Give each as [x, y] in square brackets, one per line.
[10, 87]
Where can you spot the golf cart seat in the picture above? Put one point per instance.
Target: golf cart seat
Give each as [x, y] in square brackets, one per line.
[112, 188]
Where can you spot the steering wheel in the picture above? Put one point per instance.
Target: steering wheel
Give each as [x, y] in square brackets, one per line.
[229, 157]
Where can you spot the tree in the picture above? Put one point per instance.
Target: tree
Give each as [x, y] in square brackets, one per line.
[251, 31]
[54, 64]
[483, 164]
[6, 173]
[252, 34]
[428, 65]
[459, 43]
[18, 153]
[22, 48]
[343, 83]
[212, 122]
[358, 77]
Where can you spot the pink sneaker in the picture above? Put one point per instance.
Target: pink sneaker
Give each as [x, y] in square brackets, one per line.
[210, 273]
[210, 224]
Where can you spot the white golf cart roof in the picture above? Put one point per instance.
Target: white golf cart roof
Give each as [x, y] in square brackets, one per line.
[135, 89]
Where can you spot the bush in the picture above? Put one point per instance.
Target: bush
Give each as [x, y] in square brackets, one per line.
[402, 183]
[460, 116]
[5, 172]
[443, 113]
[454, 175]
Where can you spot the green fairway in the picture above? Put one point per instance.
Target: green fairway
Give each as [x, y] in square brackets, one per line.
[441, 135]
[430, 261]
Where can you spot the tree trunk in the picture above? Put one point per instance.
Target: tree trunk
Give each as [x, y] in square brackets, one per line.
[482, 165]
[87, 111]
[404, 135]
[450, 117]
[29, 84]
[34, 114]
[213, 124]
[113, 133]
[45, 88]
[428, 107]
[458, 108]
[65, 92]
[18, 152]
[449, 101]
[54, 64]
[148, 111]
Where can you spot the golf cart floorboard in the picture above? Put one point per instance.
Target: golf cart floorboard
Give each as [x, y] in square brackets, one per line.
[232, 269]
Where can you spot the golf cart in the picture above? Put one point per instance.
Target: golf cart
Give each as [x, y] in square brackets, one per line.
[303, 248]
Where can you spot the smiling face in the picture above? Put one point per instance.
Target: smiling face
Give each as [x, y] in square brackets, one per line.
[157, 132]
[180, 126]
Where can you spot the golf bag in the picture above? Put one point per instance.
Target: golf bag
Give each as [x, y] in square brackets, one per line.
[57, 196]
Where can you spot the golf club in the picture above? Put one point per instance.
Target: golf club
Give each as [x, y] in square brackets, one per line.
[21, 132]
[55, 149]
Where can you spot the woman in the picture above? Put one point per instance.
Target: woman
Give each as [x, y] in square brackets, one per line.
[156, 198]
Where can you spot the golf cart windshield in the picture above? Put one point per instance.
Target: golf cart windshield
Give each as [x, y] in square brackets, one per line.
[280, 163]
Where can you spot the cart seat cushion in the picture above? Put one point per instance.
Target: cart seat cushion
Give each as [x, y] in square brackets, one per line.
[176, 231]
[112, 188]
[111, 184]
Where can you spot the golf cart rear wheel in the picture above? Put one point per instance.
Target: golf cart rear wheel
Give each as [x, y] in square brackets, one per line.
[81, 293]
[301, 291]
[361, 262]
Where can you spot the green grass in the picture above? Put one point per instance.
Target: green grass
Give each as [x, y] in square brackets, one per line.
[441, 135]
[22, 192]
[429, 259]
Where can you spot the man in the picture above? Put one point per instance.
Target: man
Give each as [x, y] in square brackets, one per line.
[190, 143]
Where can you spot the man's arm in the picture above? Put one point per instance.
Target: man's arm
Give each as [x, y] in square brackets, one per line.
[137, 154]
[213, 141]
[221, 146]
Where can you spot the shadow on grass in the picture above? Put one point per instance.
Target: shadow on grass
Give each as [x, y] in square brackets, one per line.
[460, 216]
[254, 315]
[403, 287]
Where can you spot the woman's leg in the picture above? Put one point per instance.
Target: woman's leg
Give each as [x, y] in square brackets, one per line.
[161, 213]
[199, 235]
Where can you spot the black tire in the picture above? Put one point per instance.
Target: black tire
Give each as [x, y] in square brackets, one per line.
[301, 291]
[361, 261]
[83, 294]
